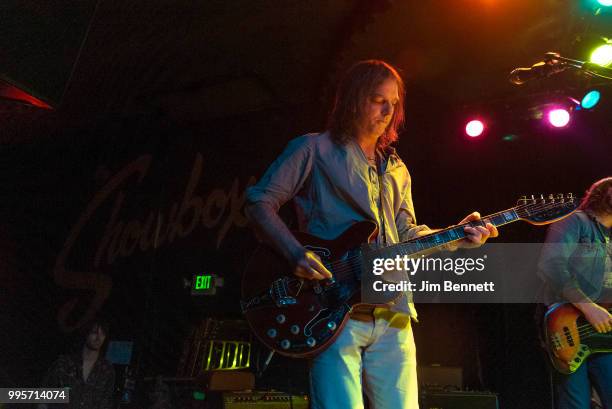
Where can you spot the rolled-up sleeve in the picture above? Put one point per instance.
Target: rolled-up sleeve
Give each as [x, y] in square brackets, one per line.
[285, 176]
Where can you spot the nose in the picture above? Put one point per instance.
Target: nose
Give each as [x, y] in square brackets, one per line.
[387, 109]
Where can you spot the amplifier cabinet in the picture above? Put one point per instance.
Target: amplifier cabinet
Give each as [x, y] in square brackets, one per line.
[264, 400]
[458, 400]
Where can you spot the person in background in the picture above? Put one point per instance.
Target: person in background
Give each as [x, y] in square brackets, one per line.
[90, 377]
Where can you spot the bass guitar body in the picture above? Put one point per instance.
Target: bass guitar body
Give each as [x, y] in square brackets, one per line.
[570, 339]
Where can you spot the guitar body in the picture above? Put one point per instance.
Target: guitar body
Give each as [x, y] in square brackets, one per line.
[570, 339]
[301, 318]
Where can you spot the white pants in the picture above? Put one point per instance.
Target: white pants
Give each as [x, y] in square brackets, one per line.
[381, 354]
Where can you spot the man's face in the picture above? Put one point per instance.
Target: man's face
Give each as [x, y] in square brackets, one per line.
[378, 108]
[95, 338]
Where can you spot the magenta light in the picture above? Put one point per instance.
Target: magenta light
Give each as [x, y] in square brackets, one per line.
[474, 128]
[558, 117]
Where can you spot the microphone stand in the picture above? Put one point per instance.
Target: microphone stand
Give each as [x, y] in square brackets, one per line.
[588, 68]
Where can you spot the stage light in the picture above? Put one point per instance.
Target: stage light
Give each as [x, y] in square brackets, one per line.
[558, 117]
[474, 128]
[602, 55]
[605, 3]
[590, 99]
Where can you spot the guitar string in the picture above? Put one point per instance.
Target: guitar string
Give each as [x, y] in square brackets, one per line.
[583, 329]
[588, 329]
[518, 209]
[342, 267]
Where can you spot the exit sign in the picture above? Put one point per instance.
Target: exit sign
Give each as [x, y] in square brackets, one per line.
[203, 284]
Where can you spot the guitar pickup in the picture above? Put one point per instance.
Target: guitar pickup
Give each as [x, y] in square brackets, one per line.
[280, 294]
[286, 301]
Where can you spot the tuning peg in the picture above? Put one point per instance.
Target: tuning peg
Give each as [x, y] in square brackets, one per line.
[542, 197]
[551, 198]
[522, 200]
[532, 199]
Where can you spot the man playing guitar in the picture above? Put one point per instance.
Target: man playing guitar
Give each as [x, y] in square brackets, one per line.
[348, 174]
[576, 266]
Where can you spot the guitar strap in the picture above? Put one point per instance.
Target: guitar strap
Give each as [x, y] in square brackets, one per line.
[381, 214]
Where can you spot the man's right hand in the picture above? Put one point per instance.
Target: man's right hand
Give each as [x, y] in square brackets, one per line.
[597, 316]
[308, 265]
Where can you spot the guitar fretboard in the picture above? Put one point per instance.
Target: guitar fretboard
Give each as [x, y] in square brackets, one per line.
[445, 236]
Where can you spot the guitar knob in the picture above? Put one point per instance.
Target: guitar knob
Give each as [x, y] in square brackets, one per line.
[311, 342]
[331, 325]
[272, 333]
[295, 329]
[285, 344]
[280, 318]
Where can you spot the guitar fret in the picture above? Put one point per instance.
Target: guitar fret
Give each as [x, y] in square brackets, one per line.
[440, 238]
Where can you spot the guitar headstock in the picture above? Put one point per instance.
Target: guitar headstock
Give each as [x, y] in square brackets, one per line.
[546, 209]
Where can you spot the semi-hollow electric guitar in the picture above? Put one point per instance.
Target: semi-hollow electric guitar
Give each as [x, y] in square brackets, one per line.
[300, 318]
[570, 339]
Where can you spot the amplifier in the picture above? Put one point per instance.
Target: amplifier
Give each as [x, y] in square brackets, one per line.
[216, 345]
[265, 400]
[439, 399]
[440, 376]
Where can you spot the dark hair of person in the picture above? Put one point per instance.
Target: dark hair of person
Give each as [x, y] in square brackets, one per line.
[82, 334]
[597, 198]
[356, 86]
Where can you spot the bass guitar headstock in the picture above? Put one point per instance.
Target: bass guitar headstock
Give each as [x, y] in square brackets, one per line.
[546, 209]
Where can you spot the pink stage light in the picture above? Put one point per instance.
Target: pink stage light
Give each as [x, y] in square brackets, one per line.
[474, 128]
[559, 117]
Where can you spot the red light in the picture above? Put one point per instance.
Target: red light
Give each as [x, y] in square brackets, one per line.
[474, 128]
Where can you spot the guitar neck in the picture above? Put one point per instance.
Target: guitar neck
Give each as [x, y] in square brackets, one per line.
[434, 241]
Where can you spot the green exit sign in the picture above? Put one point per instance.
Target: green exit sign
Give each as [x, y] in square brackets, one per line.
[203, 284]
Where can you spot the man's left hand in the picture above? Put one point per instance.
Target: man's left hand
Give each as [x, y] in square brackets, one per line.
[478, 235]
